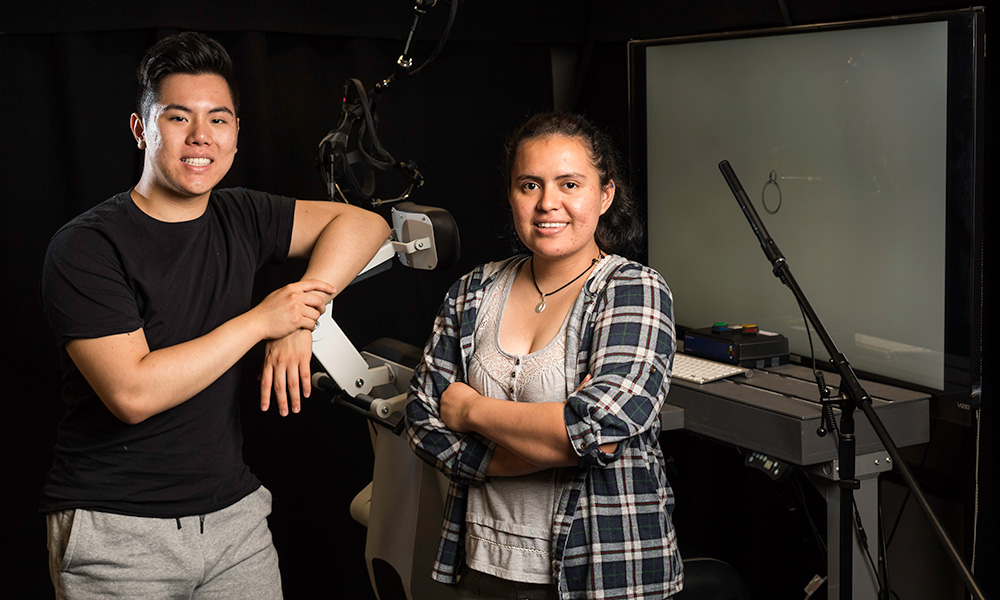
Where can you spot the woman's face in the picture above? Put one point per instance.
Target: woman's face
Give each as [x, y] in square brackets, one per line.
[557, 198]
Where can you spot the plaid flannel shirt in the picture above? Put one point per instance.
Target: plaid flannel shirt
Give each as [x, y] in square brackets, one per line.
[612, 536]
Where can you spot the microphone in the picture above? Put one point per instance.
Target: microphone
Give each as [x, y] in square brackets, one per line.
[766, 242]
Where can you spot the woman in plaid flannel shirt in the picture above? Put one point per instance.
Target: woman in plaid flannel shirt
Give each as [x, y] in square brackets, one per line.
[541, 386]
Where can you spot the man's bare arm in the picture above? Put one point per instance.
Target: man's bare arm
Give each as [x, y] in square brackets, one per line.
[136, 383]
[339, 240]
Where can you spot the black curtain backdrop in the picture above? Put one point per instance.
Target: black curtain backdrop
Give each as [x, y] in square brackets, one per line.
[67, 88]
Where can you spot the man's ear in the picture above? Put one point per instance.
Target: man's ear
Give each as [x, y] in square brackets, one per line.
[138, 130]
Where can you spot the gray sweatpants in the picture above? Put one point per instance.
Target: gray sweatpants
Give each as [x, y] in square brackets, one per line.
[227, 554]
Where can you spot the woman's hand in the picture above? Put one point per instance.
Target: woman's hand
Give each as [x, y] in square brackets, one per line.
[456, 404]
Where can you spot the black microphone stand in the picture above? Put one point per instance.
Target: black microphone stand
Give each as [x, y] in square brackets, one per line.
[852, 397]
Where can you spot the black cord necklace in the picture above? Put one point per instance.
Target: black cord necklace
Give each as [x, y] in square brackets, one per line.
[541, 305]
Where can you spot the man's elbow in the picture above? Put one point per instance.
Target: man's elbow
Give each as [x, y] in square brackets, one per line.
[132, 418]
[378, 227]
[128, 408]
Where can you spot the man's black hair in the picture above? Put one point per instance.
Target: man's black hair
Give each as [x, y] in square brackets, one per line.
[189, 53]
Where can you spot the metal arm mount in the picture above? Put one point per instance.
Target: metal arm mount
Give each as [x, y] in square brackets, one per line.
[422, 238]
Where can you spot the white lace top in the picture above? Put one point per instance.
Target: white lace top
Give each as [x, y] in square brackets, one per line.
[510, 519]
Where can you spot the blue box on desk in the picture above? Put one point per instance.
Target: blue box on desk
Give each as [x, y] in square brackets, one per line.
[744, 345]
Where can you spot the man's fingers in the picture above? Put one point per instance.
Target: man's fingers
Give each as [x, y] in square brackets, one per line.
[314, 285]
[294, 400]
[265, 388]
[314, 301]
[305, 376]
[279, 392]
[286, 372]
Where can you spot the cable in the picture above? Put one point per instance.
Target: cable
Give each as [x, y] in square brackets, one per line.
[829, 423]
[818, 537]
[977, 415]
[881, 576]
[906, 497]
[352, 151]
[883, 550]
[444, 38]
[859, 529]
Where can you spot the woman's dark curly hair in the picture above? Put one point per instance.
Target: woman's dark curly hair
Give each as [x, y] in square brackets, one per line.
[619, 230]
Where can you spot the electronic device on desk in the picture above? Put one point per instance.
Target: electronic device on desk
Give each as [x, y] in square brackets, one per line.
[743, 345]
[700, 370]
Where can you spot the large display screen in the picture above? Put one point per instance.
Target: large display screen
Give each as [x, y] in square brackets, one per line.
[858, 144]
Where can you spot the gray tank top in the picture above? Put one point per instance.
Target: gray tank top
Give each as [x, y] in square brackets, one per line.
[510, 519]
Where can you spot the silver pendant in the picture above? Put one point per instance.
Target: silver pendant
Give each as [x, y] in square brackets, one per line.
[540, 306]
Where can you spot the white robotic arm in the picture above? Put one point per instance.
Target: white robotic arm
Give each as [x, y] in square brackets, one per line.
[422, 237]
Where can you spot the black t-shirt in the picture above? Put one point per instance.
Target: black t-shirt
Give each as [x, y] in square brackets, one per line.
[115, 269]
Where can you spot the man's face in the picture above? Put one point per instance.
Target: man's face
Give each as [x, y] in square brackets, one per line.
[189, 137]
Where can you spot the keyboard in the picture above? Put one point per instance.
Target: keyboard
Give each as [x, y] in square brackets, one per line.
[702, 370]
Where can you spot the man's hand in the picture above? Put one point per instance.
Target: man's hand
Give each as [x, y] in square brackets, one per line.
[289, 315]
[339, 240]
[296, 306]
[136, 383]
[286, 367]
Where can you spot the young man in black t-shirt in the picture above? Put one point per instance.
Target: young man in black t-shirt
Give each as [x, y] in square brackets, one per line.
[149, 296]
